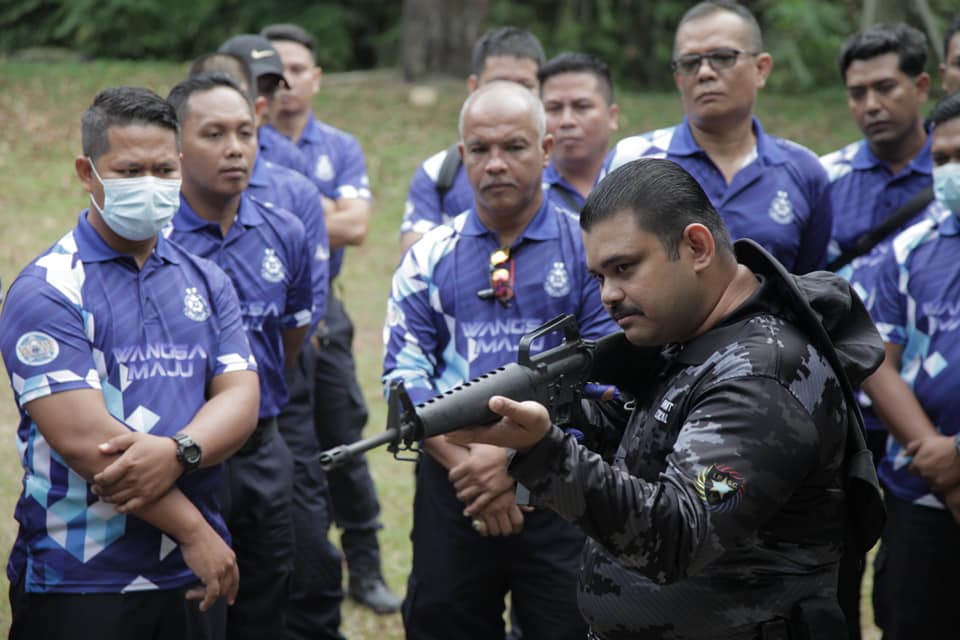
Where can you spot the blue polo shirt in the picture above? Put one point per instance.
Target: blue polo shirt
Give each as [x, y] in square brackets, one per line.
[278, 149]
[440, 333]
[917, 305]
[151, 339]
[565, 195]
[266, 255]
[779, 198]
[864, 192]
[337, 166]
[277, 186]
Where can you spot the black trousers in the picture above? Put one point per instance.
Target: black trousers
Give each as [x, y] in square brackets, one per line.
[256, 496]
[340, 416]
[915, 573]
[459, 579]
[313, 606]
[156, 614]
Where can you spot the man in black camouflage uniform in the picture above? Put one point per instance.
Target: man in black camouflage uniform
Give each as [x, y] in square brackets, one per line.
[720, 514]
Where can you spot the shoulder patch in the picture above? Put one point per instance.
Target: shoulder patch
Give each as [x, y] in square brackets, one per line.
[720, 488]
[36, 348]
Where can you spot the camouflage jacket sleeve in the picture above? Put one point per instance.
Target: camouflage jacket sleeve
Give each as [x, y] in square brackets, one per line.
[676, 498]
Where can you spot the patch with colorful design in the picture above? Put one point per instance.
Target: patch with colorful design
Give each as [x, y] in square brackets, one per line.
[720, 488]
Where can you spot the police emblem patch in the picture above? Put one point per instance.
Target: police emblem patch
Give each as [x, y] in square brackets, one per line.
[271, 268]
[557, 283]
[36, 348]
[324, 168]
[781, 211]
[720, 488]
[194, 306]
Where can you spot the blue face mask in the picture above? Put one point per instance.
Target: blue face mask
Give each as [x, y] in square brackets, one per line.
[137, 208]
[946, 185]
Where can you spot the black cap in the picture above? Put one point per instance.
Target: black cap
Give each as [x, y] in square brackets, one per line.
[259, 54]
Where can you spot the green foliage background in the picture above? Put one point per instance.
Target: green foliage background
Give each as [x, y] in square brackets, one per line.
[634, 36]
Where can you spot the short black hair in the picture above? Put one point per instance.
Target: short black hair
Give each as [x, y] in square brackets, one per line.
[908, 43]
[230, 64]
[704, 9]
[946, 110]
[576, 62]
[120, 107]
[663, 199]
[951, 31]
[506, 41]
[289, 32]
[179, 96]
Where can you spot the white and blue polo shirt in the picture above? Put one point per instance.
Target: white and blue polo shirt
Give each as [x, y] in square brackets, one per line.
[917, 305]
[779, 198]
[82, 316]
[864, 192]
[337, 166]
[425, 209]
[275, 185]
[439, 332]
[266, 255]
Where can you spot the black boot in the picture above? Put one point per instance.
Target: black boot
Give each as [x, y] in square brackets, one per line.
[372, 592]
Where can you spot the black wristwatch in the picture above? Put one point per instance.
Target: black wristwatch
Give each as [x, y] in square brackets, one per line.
[188, 451]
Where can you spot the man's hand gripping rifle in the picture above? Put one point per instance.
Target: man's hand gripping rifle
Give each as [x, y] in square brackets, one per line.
[554, 378]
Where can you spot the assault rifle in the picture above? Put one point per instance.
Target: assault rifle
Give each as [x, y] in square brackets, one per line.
[554, 378]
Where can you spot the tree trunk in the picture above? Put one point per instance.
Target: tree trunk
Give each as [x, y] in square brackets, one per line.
[438, 36]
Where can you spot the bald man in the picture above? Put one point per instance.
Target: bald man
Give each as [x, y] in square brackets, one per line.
[460, 302]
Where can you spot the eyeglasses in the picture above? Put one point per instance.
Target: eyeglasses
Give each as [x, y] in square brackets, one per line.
[501, 277]
[718, 59]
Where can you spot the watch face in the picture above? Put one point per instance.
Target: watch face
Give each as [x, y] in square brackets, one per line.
[191, 454]
[188, 451]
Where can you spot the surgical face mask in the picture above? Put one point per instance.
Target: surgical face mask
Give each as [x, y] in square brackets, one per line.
[946, 185]
[137, 208]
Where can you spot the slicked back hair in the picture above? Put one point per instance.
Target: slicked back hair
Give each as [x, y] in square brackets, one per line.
[506, 41]
[120, 107]
[908, 43]
[946, 110]
[179, 96]
[575, 62]
[710, 7]
[663, 200]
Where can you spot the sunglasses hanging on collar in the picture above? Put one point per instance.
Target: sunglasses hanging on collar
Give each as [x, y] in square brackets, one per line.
[501, 277]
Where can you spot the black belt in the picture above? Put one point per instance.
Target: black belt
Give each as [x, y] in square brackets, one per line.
[266, 429]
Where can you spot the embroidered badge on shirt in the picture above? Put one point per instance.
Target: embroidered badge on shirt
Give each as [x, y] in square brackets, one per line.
[194, 306]
[36, 348]
[324, 168]
[720, 488]
[271, 269]
[557, 283]
[781, 211]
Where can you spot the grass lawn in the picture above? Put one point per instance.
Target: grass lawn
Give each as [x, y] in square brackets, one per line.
[40, 108]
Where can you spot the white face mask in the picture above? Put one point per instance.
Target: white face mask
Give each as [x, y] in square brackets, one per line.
[946, 185]
[137, 208]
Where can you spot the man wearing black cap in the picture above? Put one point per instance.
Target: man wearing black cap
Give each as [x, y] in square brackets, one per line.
[338, 168]
[267, 71]
[315, 596]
